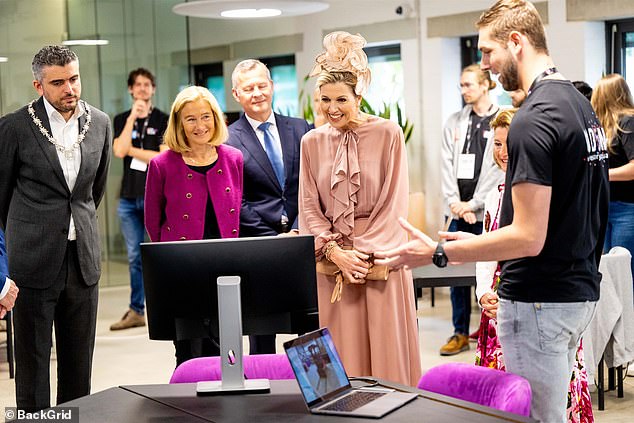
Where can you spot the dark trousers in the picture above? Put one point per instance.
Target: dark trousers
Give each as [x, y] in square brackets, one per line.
[186, 349]
[461, 295]
[71, 306]
[261, 344]
[265, 344]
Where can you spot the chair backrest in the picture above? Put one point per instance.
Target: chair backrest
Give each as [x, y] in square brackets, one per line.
[263, 366]
[482, 385]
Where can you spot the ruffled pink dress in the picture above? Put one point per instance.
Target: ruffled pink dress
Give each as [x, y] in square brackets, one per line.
[353, 187]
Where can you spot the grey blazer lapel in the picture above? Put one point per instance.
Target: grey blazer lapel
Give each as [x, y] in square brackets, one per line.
[47, 147]
[84, 149]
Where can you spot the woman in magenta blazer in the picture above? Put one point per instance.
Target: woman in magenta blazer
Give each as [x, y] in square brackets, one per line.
[194, 189]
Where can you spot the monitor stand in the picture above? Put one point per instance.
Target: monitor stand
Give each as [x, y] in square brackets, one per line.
[230, 319]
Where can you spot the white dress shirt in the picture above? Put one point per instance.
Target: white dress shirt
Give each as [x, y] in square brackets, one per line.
[260, 133]
[6, 287]
[66, 133]
[276, 136]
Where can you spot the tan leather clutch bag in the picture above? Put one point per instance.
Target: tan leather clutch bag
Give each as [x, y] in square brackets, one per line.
[326, 267]
[376, 272]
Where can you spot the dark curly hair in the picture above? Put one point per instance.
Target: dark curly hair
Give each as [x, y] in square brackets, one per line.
[140, 72]
[51, 56]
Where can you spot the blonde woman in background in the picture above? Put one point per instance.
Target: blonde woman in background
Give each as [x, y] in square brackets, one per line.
[612, 101]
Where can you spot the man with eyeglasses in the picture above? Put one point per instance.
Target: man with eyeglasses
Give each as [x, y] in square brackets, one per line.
[270, 144]
[468, 175]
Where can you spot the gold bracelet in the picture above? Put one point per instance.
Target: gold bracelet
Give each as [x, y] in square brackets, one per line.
[330, 245]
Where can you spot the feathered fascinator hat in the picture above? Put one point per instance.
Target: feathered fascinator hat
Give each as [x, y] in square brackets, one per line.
[344, 53]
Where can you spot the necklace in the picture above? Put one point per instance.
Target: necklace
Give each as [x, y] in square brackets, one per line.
[203, 162]
[68, 152]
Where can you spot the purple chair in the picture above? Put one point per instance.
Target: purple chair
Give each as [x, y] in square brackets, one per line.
[481, 385]
[262, 366]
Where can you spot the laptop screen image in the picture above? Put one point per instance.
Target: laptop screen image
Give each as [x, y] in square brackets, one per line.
[317, 366]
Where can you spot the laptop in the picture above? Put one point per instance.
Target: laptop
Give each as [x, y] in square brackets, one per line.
[325, 384]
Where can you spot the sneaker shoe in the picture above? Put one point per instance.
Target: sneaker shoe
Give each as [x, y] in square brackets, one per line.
[473, 337]
[131, 319]
[456, 344]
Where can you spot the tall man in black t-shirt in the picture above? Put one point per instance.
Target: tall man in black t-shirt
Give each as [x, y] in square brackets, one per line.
[138, 138]
[552, 220]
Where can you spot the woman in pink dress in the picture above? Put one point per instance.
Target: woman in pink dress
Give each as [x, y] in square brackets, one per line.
[489, 350]
[353, 187]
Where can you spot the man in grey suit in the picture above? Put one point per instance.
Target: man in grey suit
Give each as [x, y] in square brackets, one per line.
[54, 157]
[270, 145]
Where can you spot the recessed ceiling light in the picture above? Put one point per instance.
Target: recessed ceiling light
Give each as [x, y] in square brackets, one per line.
[241, 9]
[250, 13]
[3, 59]
[86, 42]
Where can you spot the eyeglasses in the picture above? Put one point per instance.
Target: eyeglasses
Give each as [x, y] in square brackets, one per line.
[466, 85]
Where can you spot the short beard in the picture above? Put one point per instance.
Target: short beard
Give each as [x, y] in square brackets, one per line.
[65, 109]
[509, 76]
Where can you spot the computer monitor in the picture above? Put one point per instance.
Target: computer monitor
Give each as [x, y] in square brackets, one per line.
[278, 284]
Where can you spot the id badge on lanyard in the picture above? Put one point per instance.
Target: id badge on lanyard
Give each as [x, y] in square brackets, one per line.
[466, 166]
[136, 164]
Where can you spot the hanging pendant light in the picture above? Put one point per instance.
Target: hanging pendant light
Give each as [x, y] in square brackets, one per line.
[248, 9]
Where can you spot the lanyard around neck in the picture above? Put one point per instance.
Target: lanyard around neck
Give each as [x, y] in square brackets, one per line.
[146, 122]
[540, 77]
[470, 124]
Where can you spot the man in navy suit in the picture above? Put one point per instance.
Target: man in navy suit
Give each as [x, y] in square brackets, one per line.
[8, 289]
[270, 144]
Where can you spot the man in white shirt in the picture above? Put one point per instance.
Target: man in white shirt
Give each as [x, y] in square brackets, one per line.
[54, 157]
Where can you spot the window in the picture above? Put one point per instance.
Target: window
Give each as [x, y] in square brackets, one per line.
[211, 76]
[284, 78]
[386, 67]
[469, 52]
[620, 44]
[282, 72]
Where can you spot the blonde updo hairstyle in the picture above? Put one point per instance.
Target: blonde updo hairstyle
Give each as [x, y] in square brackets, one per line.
[175, 137]
[343, 60]
[483, 77]
[348, 78]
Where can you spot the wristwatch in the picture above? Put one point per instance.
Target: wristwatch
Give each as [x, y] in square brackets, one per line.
[440, 258]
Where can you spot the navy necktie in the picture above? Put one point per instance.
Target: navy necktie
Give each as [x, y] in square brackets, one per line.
[274, 151]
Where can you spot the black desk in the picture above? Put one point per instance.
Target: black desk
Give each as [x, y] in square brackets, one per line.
[179, 403]
[431, 276]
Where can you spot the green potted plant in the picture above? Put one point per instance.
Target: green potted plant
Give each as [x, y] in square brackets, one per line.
[306, 104]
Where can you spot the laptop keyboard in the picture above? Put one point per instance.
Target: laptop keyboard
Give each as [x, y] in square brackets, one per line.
[353, 401]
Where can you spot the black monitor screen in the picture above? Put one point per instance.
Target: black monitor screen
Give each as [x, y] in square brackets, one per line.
[278, 284]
